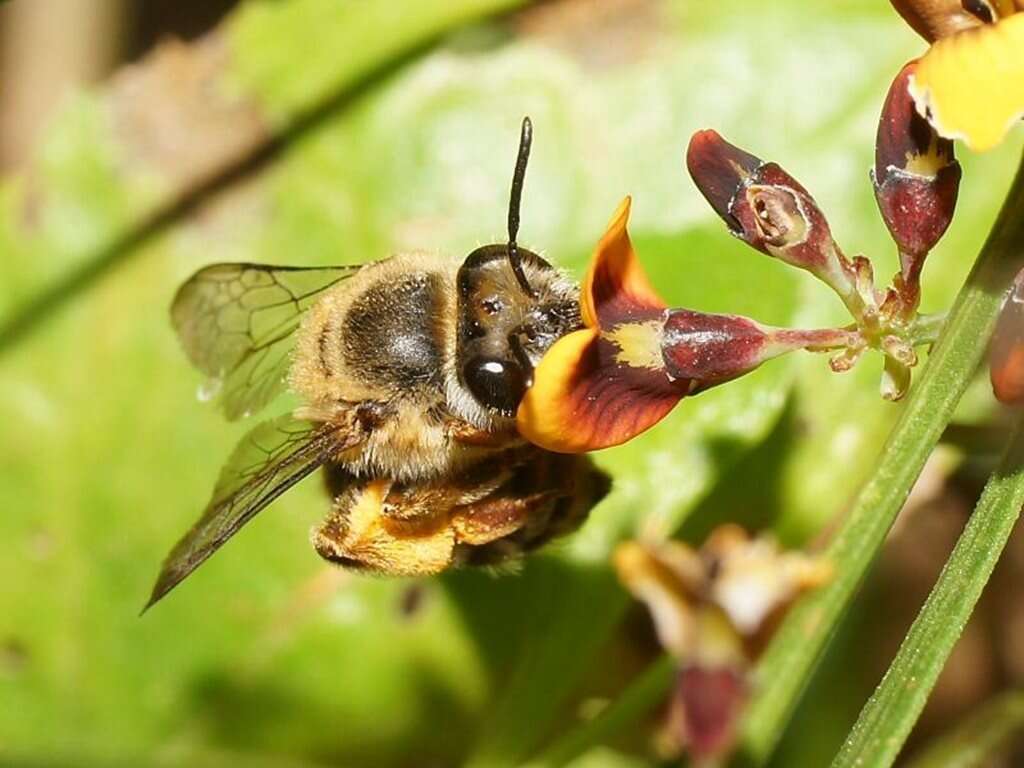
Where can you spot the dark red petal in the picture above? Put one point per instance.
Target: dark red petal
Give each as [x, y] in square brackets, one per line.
[719, 169]
[1006, 357]
[616, 288]
[916, 176]
[711, 348]
[583, 398]
[711, 700]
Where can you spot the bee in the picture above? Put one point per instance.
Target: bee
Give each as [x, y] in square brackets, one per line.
[409, 371]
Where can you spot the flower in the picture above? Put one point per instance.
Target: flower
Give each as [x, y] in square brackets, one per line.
[970, 82]
[770, 210]
[714, 610]
[636, 358]
[916, 180]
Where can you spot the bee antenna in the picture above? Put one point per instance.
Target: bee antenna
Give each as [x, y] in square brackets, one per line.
[518, 177]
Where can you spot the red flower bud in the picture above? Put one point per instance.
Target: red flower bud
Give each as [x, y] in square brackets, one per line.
[719, 169]
[1006, 357]
[916, 178]
[770, 210]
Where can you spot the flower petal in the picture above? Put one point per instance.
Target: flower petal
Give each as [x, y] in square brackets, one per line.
[584, 398]
[971, 85]
[616, 288]
[933, 19]
[720, 170]
[916, 179]
[668, 594]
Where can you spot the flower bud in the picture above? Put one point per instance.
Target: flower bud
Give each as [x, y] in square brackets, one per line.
[768, 209]
[1006, 357]
[714, 610]
[933, 19]
[916, 178]
[719, 169]
[895, 379]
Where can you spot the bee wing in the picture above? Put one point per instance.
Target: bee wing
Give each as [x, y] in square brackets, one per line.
[236, 323]
[271, 458]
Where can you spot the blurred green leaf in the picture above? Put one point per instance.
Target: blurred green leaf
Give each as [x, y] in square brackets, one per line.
[885, 722]
[975, 741]
[265, 655]
[802, 638]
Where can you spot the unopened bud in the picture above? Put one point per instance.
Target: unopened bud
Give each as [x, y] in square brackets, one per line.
[768, 209]
[720, 169]
[1006, 357]
[916, 179]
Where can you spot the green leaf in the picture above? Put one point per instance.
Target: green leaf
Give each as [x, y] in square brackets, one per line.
[371, 136]
[790, 658]
[973, 742]
[886, 720]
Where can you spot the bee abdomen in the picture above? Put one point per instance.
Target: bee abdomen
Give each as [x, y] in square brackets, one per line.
[392, 332]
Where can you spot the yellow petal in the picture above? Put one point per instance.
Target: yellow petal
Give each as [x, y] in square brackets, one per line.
[583, 398]
[616, 288]
[971, 85]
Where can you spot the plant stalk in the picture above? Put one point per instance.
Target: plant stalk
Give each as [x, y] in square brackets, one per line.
[886, 720]
[793, 653]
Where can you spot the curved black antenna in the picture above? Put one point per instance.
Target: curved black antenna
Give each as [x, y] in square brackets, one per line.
[518, 177]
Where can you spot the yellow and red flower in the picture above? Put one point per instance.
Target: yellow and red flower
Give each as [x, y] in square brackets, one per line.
[714, 609]
[636, 358]
[970, 82]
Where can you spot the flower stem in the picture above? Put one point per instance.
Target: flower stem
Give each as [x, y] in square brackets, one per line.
[926, 328]
[978, 738]
[639, 699]
[886, 720]
[818, 339]
[789, 660]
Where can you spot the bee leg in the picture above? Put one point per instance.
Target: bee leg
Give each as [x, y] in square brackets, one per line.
[547, 497]
[498, 516]
[372, 529]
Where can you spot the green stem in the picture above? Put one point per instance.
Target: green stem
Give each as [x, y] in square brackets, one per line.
[788, 662]
[642, 695]
[972, 743]
[886, 720]
[926, 328]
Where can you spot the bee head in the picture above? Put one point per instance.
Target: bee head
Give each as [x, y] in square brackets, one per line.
[513, 306]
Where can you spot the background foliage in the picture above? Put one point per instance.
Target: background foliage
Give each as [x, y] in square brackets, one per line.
[351, 131]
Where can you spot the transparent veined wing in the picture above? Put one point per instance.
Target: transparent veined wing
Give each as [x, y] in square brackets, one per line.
[269, 460]
[236, 323]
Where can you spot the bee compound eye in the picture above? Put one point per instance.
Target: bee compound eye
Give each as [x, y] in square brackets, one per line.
[495, 383]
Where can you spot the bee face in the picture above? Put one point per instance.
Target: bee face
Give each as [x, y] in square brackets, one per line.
[505, 327]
